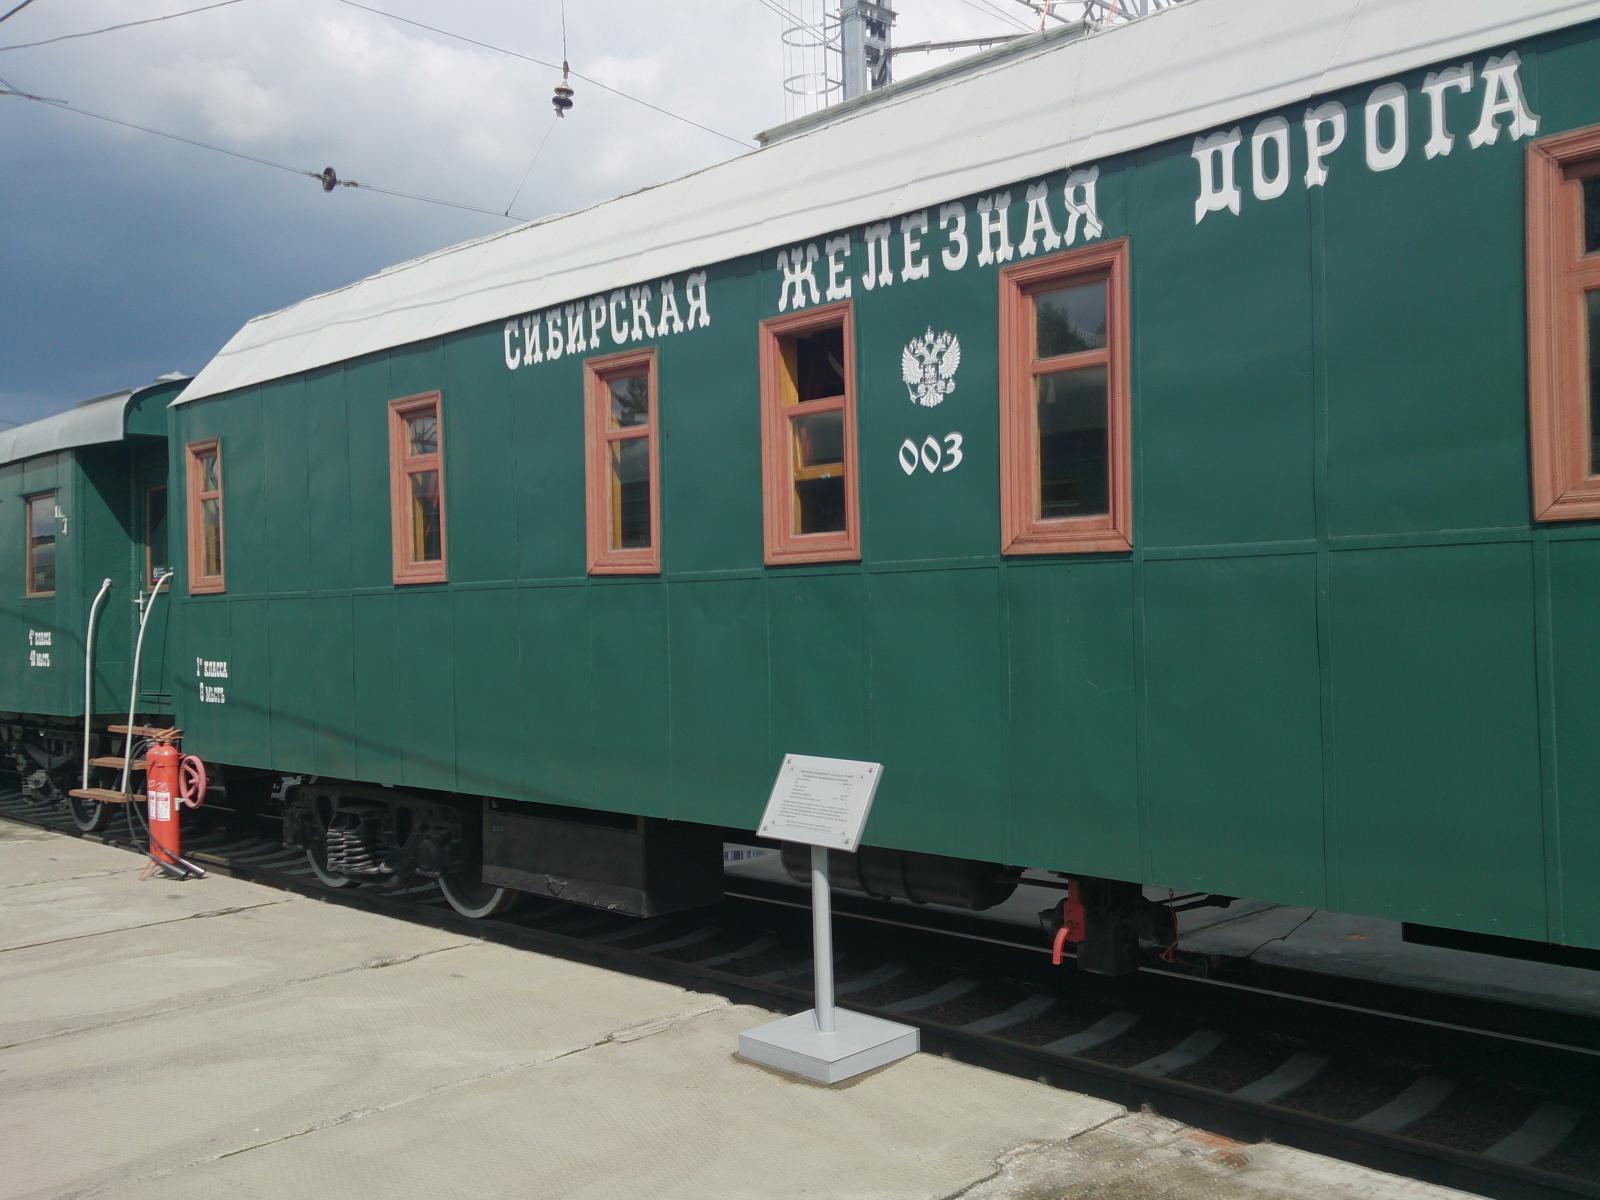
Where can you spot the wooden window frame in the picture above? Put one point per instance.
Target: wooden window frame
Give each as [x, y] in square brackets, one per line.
[201, 584]
[149, 562]
[782, 545]
[1559, 273]
[1022, 531]
[27, 543]
[597, 438]
[402, 466]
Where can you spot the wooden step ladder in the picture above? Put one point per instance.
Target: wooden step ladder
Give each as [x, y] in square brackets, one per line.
[114, 761]
[107, 796]
[149, 731]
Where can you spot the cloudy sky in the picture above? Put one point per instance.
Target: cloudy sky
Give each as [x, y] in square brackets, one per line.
[124, 255]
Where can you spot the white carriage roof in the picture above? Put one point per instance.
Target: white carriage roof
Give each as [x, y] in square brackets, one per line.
[87, 424]
[1185, 70]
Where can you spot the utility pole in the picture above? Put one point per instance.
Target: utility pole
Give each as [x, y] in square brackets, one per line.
[864, 31]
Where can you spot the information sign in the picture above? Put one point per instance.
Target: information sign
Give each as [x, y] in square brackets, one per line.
[821, 801]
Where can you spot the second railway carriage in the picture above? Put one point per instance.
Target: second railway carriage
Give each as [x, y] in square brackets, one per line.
[1134, 440]
[83, 507]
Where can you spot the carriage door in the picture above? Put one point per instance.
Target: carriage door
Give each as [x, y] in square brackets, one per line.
[152, 556]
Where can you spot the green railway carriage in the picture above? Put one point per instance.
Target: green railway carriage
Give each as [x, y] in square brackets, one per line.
[82, 501]
[1133, 440]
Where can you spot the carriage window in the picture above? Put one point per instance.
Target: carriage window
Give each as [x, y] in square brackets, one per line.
[623, 497]
[1064, 451]
[808, 436]
[41, 532]
[1564, 324]
[416, 489]
[1591, 215]
[155, 534]
[206, 546]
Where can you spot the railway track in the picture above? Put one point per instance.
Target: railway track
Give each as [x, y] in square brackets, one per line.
[1491, 1111]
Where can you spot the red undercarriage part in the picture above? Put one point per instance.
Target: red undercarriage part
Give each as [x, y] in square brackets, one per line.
[1072, 923]
[1103, 920]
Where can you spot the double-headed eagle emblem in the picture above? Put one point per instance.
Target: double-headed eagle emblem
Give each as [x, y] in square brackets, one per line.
[928, 366]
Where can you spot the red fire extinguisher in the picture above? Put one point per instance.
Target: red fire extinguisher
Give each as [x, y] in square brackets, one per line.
[161, 783]
[173, 781]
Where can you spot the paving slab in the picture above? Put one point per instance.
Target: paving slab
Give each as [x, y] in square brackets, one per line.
[275, 1063]
[1146, 1157]
[89, 982]
[666, 1111]
[30, 855]
[69, 888]
[12, 834]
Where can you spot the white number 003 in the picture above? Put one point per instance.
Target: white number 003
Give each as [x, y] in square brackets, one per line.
[931, 456]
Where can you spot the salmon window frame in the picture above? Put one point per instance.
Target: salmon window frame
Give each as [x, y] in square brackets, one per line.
[203, 580]
[1563, 280]
[603, 435]
[405, 465]
[782, 453]
[1024, 529]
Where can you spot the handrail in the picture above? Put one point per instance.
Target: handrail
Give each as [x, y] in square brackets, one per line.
[133, 691]
[88, 675]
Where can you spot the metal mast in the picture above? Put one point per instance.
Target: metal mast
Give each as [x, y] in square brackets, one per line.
[864, 31]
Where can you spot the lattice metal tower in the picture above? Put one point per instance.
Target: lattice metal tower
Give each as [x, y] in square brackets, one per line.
[1115, 12]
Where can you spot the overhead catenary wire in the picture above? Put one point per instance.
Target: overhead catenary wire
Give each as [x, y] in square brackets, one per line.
[7, 89]
[788, 14]
[471, 41]
[994, 10]
[67, 37]
[14, 11]
[537, 152]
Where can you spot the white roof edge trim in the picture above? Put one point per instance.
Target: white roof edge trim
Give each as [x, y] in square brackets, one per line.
[1076, 102]
[91, 422]
[88, 424]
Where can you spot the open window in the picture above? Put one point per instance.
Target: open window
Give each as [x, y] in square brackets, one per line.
[416, 489]
[203, 477]
[808, 437]
[1564, 325]
[623, 478]
[40, 570]
[1065, 459]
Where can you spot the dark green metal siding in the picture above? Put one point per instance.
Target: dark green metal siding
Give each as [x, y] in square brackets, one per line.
[56, 690]
[1339, 668]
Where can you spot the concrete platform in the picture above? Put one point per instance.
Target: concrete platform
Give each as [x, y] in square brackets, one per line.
[215, 1039]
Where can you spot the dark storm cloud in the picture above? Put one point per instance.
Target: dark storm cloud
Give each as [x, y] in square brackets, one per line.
[123, 256]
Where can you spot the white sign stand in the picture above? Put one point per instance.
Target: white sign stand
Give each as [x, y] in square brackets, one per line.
[823, 803]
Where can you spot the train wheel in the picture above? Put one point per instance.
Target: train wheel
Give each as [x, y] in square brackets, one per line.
[317, 856]
[471, 897]
[90, 815]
